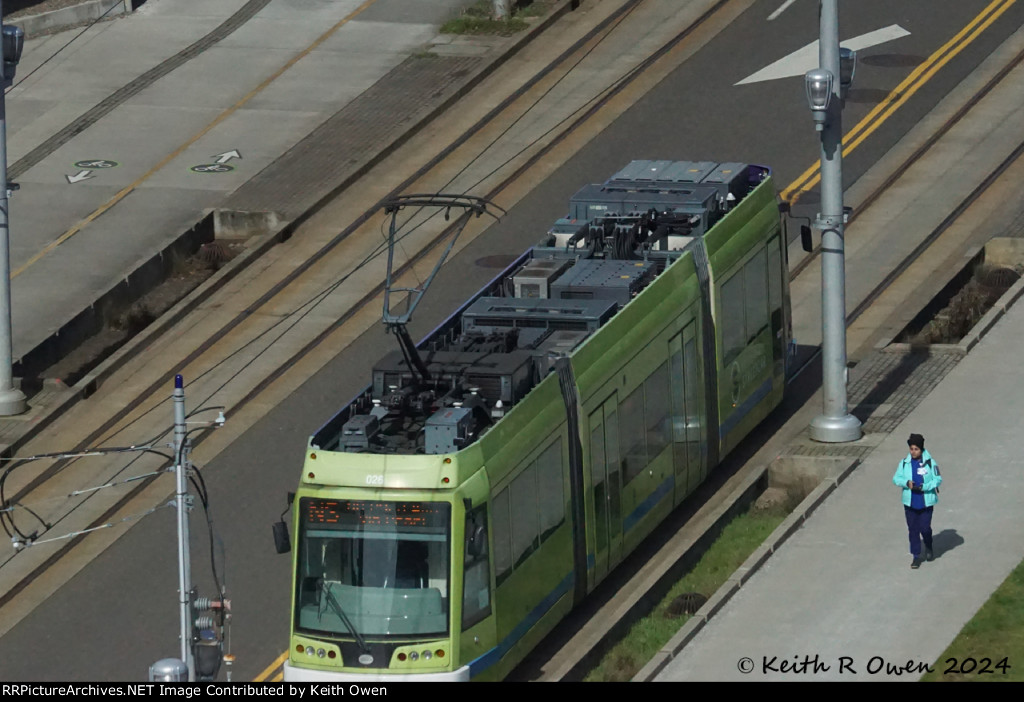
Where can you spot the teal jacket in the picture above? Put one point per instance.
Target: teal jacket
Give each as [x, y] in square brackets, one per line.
[932, 479]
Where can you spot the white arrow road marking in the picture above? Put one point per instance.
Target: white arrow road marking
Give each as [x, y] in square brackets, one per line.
[79, 177]
[803, 60]
[227, 156]
[780, 10]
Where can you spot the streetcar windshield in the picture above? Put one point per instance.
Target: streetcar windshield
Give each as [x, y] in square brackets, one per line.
[373, 568]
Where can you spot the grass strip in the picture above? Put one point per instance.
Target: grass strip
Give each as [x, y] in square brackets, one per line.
[991, 645]
[477, 19]
[741, 537]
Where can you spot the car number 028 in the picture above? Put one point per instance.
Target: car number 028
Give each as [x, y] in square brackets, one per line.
[375, 480]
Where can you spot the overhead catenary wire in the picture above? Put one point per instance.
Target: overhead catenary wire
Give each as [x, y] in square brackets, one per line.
[82, 532]
[6, 513]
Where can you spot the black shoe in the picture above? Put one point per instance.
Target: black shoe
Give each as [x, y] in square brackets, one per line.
[916, 563]
[928, 555]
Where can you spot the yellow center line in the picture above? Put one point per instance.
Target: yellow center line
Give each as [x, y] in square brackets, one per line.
[902, 92]
[262, 677]
[177, 152]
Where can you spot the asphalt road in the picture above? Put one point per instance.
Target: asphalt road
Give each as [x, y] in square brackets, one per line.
[118, 615]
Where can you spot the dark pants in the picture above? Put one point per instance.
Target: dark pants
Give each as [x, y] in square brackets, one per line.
[919, 523]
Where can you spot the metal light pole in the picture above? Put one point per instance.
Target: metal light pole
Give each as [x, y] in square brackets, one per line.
[824, 86]
[12, 400]
[183, 502]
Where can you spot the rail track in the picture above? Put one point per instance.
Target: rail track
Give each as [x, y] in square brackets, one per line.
[287, 313]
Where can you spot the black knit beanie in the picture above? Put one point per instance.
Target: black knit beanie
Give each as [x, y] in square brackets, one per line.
[916, 440]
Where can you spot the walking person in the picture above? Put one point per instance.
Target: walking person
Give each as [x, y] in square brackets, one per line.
[918, 475]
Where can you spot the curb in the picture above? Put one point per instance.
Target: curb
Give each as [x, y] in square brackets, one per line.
[68, 17]
[743, 573]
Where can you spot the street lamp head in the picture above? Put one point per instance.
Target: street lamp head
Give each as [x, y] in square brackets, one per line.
[847, 68]
[818, 83]
[13, 41]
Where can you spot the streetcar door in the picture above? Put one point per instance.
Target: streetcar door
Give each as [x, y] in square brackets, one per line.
[696, 415]
[687, 425]
[606, 487]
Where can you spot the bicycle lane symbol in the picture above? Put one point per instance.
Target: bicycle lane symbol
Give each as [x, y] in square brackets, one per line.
[212, 168]
[96, 163]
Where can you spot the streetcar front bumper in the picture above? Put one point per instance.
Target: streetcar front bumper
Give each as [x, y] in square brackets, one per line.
[296, 674]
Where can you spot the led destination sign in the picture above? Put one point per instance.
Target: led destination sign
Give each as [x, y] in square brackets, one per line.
[380, 515]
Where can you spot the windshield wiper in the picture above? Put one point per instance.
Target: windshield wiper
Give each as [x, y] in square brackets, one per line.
[325, 589]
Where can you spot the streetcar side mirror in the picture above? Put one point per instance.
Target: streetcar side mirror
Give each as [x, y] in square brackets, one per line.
[805, 238]
[282, 542]
[476, 544]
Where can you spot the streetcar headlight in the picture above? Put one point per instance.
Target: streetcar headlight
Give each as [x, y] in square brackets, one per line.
[413, 656]
[321, 653]
[427, 655]
[310, 651]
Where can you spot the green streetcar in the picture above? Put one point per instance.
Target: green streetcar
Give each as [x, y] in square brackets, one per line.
[494, 474]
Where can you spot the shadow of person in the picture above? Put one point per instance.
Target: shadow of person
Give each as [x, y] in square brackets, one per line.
[945, 540]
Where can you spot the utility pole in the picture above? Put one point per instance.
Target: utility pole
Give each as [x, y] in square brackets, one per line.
[202, 636]
[825, 86]
[183, 502]
[12, 400]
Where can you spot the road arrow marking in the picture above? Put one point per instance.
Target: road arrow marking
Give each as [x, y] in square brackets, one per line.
[780, 10]
[226, 156]
[79, 177]
[803, 60]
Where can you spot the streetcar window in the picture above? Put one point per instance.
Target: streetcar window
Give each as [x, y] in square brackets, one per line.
[378, 568]
[632, 434]
[733, 334]
[755, 283]
[549, 477]
[476, 588]
[525, 517]
[502, 536]
[657, 414]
